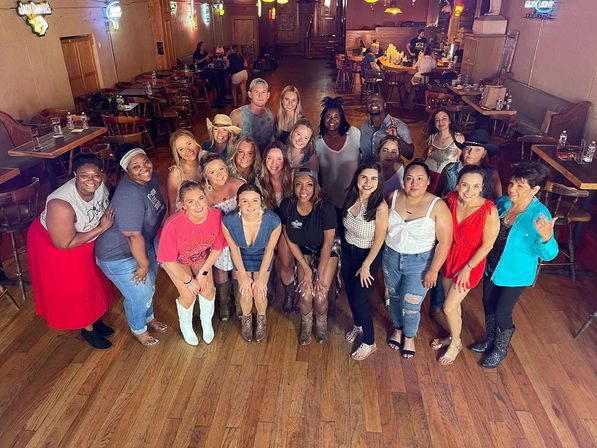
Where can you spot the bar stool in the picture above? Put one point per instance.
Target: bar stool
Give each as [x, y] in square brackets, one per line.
[371, 82]
[18, 209]
[342, 75]
[562, 202]
[394, 81]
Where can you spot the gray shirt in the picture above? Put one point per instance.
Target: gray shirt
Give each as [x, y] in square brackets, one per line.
[137, 208]
[370, 137]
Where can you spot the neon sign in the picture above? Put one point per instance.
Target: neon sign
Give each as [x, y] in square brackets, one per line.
[114, 13]
[33, 15]
[541, 9]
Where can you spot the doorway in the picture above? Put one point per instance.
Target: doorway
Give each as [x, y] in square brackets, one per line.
[79, 59]
[246, 34]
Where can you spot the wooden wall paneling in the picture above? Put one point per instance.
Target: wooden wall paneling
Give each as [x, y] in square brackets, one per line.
[287, 23]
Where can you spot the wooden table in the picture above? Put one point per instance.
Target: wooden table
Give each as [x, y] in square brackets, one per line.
[134, 92]
[583, 177]
[487, 112]
[8, 173]
[53, 148]
[464, 91]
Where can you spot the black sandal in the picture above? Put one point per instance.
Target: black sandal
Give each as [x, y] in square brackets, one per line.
[395, 340]
[406, 353]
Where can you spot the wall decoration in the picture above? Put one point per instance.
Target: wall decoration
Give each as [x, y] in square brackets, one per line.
[540, 9]
[33, 15]
[114, 13]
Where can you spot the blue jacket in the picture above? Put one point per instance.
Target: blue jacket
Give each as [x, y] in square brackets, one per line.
[524, 247]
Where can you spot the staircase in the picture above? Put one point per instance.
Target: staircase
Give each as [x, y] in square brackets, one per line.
[319, 46]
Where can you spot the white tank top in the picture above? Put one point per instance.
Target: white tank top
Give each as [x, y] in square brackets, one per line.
[358, 231]
[410, 237]
[88, 214]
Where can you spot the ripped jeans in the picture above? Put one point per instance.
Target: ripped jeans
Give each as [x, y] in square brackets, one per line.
[138, 298]
[403, 274]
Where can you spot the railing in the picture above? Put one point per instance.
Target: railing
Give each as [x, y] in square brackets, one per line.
[308, 38]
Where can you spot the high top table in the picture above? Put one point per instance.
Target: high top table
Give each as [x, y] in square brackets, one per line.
[52, 148]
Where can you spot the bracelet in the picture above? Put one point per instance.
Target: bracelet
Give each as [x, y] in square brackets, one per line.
[190, 281]
[469, 265]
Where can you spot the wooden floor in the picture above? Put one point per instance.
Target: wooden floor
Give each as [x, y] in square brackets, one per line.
[57, 391]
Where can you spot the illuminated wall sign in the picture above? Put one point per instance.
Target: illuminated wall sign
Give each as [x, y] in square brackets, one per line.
[33, 15]
[173, 8]
[206, 16]
[540, 9]
[114, 13]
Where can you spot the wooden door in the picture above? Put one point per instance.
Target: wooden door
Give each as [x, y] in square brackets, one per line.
[246, 34]
[80, 64]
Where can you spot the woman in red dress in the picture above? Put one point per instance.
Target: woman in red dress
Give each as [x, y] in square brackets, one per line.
[476, 225]
[70, 291]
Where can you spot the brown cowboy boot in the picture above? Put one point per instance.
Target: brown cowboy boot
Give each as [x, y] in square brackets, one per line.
[261, 328]
[306, 328]
[246, 327]
[321, 327]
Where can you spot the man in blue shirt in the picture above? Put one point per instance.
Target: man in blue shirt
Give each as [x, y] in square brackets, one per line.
[378, 126]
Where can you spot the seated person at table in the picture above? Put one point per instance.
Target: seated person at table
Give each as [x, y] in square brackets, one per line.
[222, 134]
[416, 45]
[370, 59]
[379, 125]
[424, 65]
[255, 119]
[201, 55]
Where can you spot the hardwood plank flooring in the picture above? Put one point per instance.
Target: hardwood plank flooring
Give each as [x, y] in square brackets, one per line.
[56, 391]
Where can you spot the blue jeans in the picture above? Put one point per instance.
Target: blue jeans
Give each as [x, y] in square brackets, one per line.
[138, 298]
[403, 274]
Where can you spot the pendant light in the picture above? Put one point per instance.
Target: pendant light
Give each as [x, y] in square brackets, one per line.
[392, 8]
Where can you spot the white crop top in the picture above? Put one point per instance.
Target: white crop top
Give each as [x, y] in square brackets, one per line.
[411, 237]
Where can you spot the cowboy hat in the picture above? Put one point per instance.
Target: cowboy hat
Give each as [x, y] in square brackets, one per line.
[480, 137]
[222, 121]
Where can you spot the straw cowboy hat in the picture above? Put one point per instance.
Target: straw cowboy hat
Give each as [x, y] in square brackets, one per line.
[222, 121]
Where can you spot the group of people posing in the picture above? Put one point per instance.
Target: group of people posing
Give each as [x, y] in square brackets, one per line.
[269, 194]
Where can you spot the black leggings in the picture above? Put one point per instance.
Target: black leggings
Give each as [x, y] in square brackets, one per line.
[500, 301]
[358, 297]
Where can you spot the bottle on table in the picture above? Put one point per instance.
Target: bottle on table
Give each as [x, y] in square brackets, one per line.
[509, 103]
[84, 121]
[154, 78]
[589, 152]
[70, 123]
[35, 139]
[562, 140]
[148, 89]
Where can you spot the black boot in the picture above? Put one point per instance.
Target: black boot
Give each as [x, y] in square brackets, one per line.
[236, 293]
[95, 339]
[500, 350]
[223, 298]
[288, 306]
[104, 330]
[486, 346]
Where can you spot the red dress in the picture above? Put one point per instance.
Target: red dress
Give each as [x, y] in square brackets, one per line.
[468, 237]
[70, 291]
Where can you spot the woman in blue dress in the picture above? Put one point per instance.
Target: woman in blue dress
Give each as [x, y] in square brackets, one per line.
[252, 235]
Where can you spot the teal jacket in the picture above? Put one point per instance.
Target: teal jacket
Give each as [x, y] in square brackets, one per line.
[524, 246]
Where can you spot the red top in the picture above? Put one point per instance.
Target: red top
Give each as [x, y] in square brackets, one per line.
[190, 243]
[468, 237]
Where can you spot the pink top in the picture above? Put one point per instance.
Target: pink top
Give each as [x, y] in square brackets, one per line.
[190, 243]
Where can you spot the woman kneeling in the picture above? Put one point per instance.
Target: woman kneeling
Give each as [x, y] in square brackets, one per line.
[190, 244]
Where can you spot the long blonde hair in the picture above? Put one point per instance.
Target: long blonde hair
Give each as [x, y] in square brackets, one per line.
[231, 160]
[309, 150]
[180, 133]
[265, 182]
[284, 121]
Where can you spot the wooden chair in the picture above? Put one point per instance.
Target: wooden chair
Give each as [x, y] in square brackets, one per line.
[18, 209]
[372, 81]
[395, 82]
[202, 96]
[122, 125]
[526, 141]
[464, 118]
[588, 322]
[436, 100]
[502, 129]
[343, 81]
[46, 115]
[562, 202]
[163, 114]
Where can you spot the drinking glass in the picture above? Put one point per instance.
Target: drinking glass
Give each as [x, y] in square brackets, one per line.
[35, 139]
[56, 127]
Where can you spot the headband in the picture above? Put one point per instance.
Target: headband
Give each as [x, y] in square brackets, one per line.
[126, 159]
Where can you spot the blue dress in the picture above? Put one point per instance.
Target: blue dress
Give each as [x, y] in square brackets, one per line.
[252, 255]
